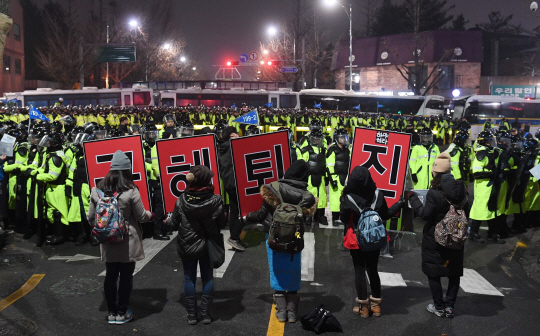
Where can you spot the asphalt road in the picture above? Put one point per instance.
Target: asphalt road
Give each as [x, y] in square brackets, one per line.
[497, 298]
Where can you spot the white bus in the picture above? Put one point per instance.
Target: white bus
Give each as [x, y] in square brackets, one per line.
[341, 100]
[89, 95]
[283, 98]
[479, 108]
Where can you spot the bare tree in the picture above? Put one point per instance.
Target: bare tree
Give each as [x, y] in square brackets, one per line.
[5, 23]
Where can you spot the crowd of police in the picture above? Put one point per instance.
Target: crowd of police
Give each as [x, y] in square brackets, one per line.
[45, 189]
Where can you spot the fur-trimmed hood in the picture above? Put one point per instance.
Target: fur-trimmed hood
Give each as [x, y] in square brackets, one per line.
[292, 192]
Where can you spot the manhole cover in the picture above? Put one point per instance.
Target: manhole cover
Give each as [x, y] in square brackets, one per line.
[75, 287]
[17, 327]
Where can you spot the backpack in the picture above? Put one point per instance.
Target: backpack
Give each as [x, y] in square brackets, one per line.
[452, 230]
[370, 230]
[110, 225]
[287, 229]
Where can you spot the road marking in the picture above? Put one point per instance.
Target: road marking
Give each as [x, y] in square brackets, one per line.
[25, 289]
[473, 282]
[229, 253]
[392, 279]
[151, 248]
[308, 257]
[275, 328]
[77, 257]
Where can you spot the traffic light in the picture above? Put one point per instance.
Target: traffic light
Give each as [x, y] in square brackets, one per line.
[229, 63]
[270, 62]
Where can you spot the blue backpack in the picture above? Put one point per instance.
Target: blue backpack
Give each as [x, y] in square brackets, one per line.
[370, 230]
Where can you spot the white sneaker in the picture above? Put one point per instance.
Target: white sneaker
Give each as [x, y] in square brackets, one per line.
[124, 318]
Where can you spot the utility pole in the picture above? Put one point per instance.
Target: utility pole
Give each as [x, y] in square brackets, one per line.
[81, 60]
[303, 63]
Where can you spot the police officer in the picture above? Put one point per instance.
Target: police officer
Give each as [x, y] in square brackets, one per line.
[186, 129]
[504, 125]
[487, 125]
[150, 135]
[314, 154]
[296, 153]
[484, 207]
[315, 124]
[422, 158]
[506, 161]
[169, 128]
[337, 166]
[253, 130]
[461, 156]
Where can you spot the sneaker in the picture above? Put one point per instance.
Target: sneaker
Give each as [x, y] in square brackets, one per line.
[449, 311]
[236, 244]
[111, 318]
[431, 308]
[125, 317]
[323, 220]
[475, 237]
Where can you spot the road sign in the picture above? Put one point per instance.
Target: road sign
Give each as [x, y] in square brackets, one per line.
[352, 58]
[289, 69]
[253, 56]
[244, 58]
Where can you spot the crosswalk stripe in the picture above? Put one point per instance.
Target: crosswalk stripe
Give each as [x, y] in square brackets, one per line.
[308, 257]
[473, 282]
[392, 279]
[151, 249]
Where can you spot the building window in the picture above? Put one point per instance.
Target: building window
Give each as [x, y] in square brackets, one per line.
[355, 79]
[18, 68]
[447, 77]
[16, 32]
[7, 64]
[412, 77]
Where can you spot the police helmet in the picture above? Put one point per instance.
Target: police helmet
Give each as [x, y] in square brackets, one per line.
[315, 124]
[316, 138]
[253, 130]
[150, 132]
[341, 137]
[486, 139]
[516, 143]
[503, 139]
[461, 138]
[426, 136]
[219, 129]
[169, 117]
[54, 140]
[57, 126]
[135, 129]
[530, 144]
[186, 129]
[20, 135]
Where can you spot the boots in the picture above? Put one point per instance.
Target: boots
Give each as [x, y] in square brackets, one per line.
[375, 306]
[41, 232]
[292, 307]
[281, 306]
[191, 306]
[58, 226]
[82, 236]
[206, 305]
[363, 309]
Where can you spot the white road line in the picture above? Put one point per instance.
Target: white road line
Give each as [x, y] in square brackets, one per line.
[472, 282]
[151, 249]
[308, 257]
[392, 279]
[220, 272]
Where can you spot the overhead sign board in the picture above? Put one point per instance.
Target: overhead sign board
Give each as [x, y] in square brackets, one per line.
[522, 91]
[290, 69]
[253, 56]
[244, 58]
[113, 53]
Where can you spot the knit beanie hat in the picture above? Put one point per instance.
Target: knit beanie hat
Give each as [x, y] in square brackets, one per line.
[298, 171]
[120, 161]
[199, 176]
[442, 163]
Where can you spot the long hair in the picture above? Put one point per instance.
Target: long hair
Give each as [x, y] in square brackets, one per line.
[117, 180]
[436, 183]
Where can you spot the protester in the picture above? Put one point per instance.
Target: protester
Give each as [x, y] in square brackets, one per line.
[362, 189]
[198, 215]
[120, 257]
[439, 261]
[285, 269]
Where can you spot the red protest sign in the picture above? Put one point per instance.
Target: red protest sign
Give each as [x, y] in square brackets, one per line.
[98, 155]
[177, 156]
[385, 154]
[257, 160]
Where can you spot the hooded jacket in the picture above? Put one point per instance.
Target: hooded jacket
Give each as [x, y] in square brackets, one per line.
[197, 216]
[226, 171]
[439, 261]
[292, 192]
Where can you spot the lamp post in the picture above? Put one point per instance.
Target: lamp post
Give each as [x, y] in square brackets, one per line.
[349, 14]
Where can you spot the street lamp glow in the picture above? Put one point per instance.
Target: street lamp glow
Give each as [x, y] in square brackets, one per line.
[456, 93]
[194, 68]
[265, 52]
[330, 2]
[182, 59]
[272, 31]
[262, 62]
[167, 46]
[133, 23]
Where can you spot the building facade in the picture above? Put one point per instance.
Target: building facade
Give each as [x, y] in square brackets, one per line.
[456, 55]
[12, 73]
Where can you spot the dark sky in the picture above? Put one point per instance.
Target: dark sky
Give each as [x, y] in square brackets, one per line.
[219, 30]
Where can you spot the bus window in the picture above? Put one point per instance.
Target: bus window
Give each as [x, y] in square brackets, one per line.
[141, 98]
[512, 110]
[287, 101]
[37, 103]
[435, 105]
[486, 109]
[211, 102]
[409, 106]
[387, 105]
[127, 100]
[82, 102]
[530, 110]
[273, 100]
[167, 101]
[186, 102]
[110, 101]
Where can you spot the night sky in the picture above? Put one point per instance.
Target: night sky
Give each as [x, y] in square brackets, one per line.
[220, 30]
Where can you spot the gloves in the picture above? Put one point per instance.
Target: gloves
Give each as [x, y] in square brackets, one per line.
[28, 172]
[68, 191]
[471, 178]
[414, 178]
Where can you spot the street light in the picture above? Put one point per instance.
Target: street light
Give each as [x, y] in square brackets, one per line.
[265, 52]
[349, 14]
[182, 59]
[133, 23]
[272, 31]
[194, 68]
[167, 46]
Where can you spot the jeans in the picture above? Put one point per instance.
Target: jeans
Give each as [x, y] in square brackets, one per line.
[122, 291]
[190, 276]
[362, 262]
[235, 224]
[437, 291]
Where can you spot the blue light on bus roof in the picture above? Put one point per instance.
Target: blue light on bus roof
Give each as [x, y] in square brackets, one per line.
[421, 97]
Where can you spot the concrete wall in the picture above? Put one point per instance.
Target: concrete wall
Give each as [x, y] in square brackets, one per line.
[12, 81]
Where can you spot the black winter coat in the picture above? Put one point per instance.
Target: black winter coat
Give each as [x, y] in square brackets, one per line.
[196, 219]
[292, 192]
[439, 261]
[226, 170]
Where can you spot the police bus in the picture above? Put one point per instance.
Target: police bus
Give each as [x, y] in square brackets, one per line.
[478, 109]
[283, 98]
[139, 96]
[341, 100]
